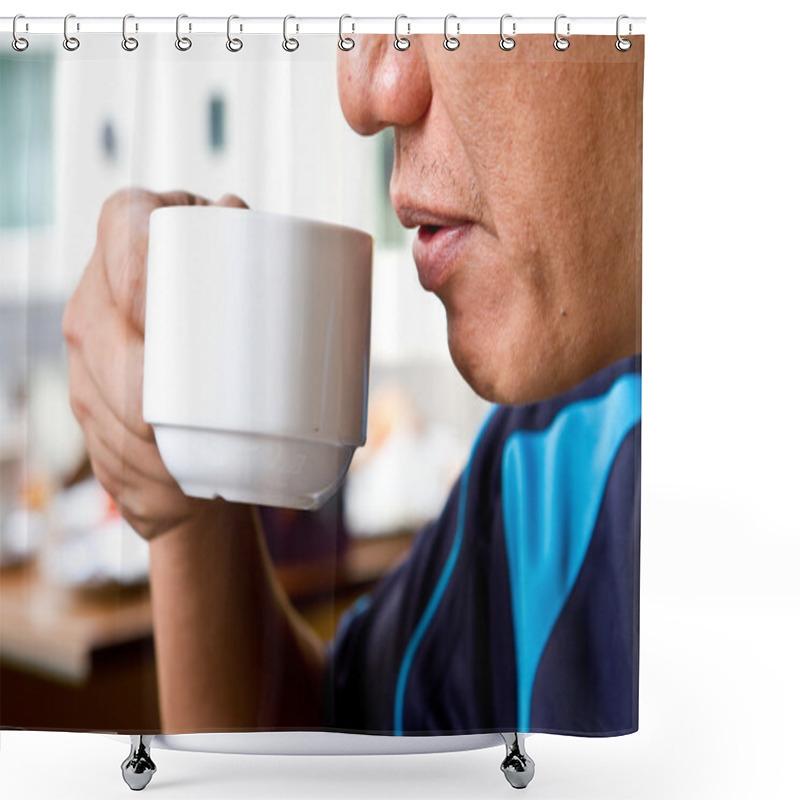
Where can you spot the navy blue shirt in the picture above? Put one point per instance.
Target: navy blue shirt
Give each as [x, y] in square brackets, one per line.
[517, 609]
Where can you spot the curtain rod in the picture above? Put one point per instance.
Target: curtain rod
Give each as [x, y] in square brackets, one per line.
[630, 26]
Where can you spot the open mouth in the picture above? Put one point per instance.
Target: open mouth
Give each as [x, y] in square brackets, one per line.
[436, 250]
[427, 232]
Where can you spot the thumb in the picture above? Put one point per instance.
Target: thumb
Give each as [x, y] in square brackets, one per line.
[231, 201]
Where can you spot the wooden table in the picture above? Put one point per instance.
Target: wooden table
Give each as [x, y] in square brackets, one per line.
[84, 660]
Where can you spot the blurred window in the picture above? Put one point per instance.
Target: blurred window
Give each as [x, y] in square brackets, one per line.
[216, 123]
[26, 140]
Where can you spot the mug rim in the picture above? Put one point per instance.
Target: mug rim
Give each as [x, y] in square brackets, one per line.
[272, 216]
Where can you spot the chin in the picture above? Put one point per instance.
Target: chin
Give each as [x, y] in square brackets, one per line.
[507, 387]
[484, 373]
[503, 372]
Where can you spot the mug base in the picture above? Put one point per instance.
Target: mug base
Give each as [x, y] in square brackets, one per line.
[252, 468]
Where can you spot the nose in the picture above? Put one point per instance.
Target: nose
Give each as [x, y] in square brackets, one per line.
[381, 86]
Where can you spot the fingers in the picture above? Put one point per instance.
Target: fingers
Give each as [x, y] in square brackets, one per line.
[102, 426]
[106, 351]
[127, 466]
[178, 197]
[103, 326]
[122, 242]
[105, 318]
[231, 201]
[150, 506]
[126, 264]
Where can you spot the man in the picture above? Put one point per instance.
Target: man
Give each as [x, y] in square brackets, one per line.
[517, 609]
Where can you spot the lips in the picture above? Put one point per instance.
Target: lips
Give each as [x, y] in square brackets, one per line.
[440, 239]
[436, 250]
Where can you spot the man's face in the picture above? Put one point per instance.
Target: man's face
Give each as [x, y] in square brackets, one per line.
[522, 171]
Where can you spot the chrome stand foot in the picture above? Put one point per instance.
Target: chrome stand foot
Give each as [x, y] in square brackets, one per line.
[517, 766]
[138, 768]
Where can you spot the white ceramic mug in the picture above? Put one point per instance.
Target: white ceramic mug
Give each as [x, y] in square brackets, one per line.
[256, 352]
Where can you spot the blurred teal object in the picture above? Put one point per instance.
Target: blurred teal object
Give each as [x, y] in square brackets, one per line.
[216, 123]
[27, 184]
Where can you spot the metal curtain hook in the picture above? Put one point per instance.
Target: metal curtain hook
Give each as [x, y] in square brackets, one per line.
[129, 43]
[451, 42]
[18, 43]
[400, 42]
[345, 42]
[560, 43]
[70, 42]
[182, 42]
[289, 44]
[506, 42]
[621, 44]
[234, 45]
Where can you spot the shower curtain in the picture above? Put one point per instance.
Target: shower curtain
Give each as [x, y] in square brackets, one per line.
[478, 569]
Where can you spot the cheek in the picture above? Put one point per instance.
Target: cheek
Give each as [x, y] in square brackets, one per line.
[503, 331]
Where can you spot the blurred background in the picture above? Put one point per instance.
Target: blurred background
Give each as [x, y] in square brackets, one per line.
[75, 626]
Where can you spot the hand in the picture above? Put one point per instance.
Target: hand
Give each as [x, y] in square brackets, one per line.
[103, 325]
